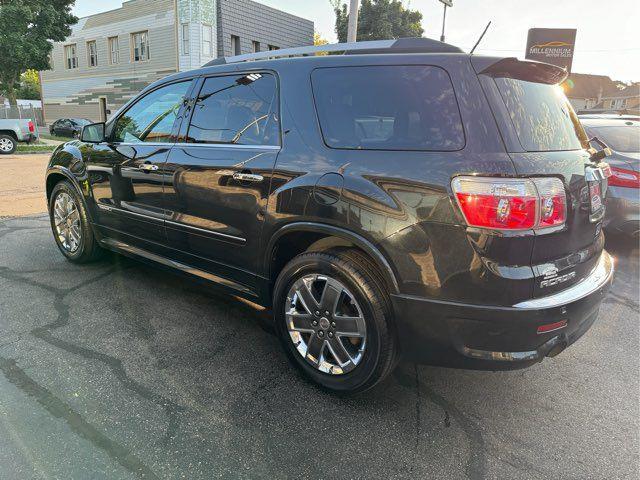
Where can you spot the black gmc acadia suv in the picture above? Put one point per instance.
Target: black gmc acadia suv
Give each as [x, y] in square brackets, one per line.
[401, 199]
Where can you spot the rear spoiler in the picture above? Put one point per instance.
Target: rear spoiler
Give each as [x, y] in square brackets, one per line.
[528, 70]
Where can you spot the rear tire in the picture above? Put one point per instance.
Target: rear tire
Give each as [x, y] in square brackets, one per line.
[8, 144]
[370, 353]
[70, 225]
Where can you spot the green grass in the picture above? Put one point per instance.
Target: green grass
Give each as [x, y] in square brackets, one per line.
[35, 148]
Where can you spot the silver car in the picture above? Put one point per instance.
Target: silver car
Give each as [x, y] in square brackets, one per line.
[622, 134]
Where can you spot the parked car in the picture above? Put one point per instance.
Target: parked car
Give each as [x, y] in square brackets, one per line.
[68, 127]
[12, 131]
[622, 135]
[405, 200]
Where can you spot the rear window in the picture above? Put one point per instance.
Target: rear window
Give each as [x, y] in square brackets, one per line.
[541, 115]
[621, 139]
[387, 108]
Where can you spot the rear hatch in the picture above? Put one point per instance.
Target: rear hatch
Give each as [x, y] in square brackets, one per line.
[545, 139]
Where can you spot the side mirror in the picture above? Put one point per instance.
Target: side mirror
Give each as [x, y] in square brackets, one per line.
[93, 133]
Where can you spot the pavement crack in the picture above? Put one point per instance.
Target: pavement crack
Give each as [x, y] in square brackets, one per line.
[476, 467]
[621, 300]
[59, 409]
[44, 333]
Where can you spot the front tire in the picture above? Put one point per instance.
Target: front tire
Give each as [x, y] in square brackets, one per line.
[8, 144]
[333, 317]
[70, 224]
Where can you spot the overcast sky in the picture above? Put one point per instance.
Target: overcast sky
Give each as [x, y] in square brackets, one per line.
[607, 42]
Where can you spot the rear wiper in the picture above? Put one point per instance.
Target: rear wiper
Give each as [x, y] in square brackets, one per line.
[598, 155]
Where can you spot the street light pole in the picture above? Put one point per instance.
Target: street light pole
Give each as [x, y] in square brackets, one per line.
[444, 17]
[352, 32]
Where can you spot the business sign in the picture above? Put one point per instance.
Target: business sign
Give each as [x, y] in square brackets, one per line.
[552, 45]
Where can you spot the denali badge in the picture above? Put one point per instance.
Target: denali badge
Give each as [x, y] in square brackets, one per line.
[556, 280]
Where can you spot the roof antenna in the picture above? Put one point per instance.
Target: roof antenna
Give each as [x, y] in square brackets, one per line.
[481, 37]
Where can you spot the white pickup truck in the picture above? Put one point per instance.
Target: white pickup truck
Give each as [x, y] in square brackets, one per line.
[13, 131]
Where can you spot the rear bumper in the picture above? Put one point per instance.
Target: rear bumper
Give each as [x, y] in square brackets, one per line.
[499, 338]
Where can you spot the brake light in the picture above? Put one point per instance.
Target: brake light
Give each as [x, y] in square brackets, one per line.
[32, 127]
[511, 203]
[621, 177]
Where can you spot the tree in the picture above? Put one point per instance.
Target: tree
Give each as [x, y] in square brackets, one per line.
[379, 20]
[29, 28]
[29, 86]
[318, 40]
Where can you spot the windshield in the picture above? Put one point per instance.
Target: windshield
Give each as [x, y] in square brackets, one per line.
[541, 115]
[620, 139]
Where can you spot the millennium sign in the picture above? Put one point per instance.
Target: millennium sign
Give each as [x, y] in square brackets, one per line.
[552, 45]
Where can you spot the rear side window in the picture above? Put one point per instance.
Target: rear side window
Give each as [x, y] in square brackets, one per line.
[236, 109]
[541, 115]
[409, 107]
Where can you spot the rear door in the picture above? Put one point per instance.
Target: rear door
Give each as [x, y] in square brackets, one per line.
[545, 138]
[217, 178]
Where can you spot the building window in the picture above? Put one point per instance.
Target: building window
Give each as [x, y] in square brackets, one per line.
[235, 45]
[114, 50]
[207, 40]
[256, 46]
[185, 39]
[71, 56]
[273, 47]
[92, 54]
[140, 46]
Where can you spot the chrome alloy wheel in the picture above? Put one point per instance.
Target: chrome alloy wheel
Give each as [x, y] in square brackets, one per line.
[326, 324]
[66, 217]
[6, 144]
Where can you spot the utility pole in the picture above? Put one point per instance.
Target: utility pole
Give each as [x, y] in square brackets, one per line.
[352, 32]
[446, 3]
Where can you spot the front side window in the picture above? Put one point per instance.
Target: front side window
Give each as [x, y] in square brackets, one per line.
[114, 50]
[207, 40]
[151, 119]
[140, 43]
[237, 109]
[543, 118]
[388, 108]
[71, 57]
[92, 54]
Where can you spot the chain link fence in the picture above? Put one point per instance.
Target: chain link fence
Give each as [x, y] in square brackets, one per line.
[23, 112]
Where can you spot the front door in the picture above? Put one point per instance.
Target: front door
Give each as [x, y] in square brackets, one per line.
[217, 182]
[127, 171]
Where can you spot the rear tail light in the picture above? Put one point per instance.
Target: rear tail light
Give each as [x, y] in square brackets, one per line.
[621, 177]
[32, 127]
[511, 203]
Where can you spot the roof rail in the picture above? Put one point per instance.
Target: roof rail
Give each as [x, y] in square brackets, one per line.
[401, 45]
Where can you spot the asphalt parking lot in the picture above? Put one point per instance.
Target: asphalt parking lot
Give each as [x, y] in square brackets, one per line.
[119, 370]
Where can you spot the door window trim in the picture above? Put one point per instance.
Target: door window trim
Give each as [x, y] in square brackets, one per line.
[195, 93]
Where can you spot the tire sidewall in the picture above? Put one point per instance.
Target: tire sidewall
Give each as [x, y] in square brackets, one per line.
[83, 251]
[359, 377]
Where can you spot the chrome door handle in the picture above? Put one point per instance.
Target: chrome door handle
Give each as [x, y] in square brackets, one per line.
[148, 167]
[247, 177]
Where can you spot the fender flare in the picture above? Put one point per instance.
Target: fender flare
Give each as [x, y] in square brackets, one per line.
[355, 238]
[59, 170]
